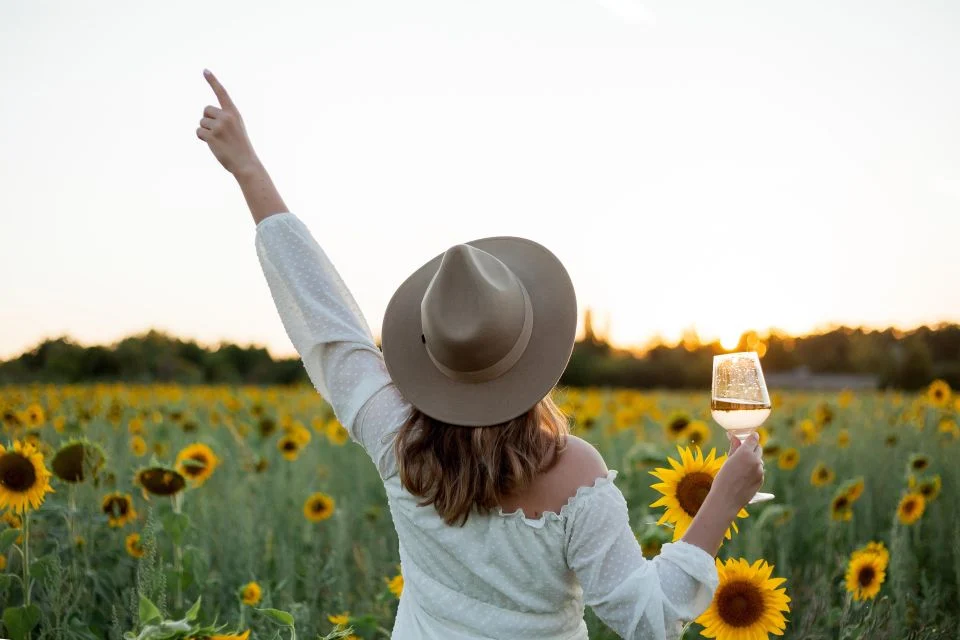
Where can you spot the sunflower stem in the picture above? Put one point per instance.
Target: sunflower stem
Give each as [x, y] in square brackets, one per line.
[26, 558]
[178, 558]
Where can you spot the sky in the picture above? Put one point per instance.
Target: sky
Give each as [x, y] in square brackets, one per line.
[722, 166]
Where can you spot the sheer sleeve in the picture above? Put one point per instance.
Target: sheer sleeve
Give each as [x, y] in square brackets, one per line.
[331, 335]
[636, 597]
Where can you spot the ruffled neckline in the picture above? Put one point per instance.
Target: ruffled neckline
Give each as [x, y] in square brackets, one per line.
[553, 516]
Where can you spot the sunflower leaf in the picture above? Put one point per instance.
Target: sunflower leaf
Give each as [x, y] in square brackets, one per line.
[7, 538]
[279, 616]
[148, 611]
[194, 610]
[20, 620]
[175, 524]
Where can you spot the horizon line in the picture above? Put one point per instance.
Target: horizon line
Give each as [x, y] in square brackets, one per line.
[637, 348]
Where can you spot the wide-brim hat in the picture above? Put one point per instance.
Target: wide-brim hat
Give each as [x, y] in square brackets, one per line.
[482, 332]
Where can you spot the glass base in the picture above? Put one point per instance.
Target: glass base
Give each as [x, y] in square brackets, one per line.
[761, 497]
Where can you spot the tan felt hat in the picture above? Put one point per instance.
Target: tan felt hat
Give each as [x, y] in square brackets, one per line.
[482, 332]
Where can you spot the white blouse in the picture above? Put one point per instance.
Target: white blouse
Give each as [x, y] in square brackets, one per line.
[502, 575]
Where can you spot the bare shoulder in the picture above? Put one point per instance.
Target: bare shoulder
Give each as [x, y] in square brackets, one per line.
[581, 464]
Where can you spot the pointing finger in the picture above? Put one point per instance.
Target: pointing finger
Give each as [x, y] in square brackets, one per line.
[220, 92]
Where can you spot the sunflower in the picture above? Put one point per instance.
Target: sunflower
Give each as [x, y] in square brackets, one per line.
[250, 593]
[230, 636]
[771, 449]
[337, 433]
[133, 546]
[747, 605]
[841, 507]
[676, 425]
[300, 433]
[342, 619]
[259, 465]
[949, 427]
[821, 476]
[764, 434]
[843, 438]
[318, 507]
[135, 426]
[789, 458]
[823, 415]
[266, 426]
[697, 433]
[289, 447]
[911, 507]
[395, 584]
[865, 573]
[119, 508]
[918, 463]
[75, 459]
[938, 393]
[138, 446]
[854, 489]
[685, 487]
[35, 415]
[160, 481]
[24, 480]
[928, 488]
[876, 548]
[197, 462]
[808, 433]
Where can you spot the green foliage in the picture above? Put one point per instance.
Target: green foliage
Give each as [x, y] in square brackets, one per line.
[19, 621]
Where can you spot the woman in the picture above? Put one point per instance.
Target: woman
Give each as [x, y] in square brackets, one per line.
[507, 524]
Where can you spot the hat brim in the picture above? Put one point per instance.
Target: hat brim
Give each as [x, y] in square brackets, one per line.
[537, 371]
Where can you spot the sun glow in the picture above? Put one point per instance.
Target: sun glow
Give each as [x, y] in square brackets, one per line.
[730, 339]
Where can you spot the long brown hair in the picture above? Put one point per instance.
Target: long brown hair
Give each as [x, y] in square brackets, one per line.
[457, 468]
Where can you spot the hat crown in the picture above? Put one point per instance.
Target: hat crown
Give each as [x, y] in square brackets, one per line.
[475, 314]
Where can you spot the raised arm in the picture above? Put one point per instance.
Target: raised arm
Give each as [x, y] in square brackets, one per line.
[223, 130]
[321, 317]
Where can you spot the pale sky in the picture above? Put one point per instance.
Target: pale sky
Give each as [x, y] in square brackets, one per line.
[723, 165]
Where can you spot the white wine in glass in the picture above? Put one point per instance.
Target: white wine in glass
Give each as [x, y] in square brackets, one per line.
[739, 400]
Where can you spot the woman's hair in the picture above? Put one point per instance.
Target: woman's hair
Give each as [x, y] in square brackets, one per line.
[456, 468]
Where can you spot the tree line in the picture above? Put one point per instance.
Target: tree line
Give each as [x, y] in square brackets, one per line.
[903, 360]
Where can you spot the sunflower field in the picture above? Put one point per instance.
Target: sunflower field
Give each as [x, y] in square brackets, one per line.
[246, 512]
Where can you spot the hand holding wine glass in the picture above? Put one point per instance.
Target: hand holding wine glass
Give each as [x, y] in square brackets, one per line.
[739, 400]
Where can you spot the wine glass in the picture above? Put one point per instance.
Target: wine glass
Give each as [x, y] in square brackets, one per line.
[739, 400]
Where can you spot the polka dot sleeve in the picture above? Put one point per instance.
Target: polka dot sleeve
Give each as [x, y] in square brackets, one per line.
[328, 330]
[636, 597]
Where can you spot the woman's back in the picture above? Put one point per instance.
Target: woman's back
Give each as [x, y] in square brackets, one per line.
[523, 571]
[506, 572]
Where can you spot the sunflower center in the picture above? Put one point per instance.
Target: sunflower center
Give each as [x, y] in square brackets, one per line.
[840, 503]
[319, 506]
[866, 576]
[16, 472]
[692, 490]
[679, 425]
[196, 470]
[289, 445]
[116, 507]
[822, 473]
[739, 603]
[908, 507]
